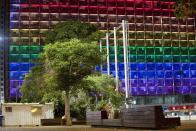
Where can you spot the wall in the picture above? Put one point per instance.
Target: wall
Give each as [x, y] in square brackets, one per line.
[22, 114]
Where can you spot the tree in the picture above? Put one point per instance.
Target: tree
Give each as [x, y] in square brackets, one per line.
[38, 88]
[33, 87]
[185, 8]
[98, 90]
[73, 29]
[40, 85]
[69, 62]
[104, 89]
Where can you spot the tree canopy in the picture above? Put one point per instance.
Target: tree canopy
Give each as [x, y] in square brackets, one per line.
[65, 67]
[35, 80]
[69, 63]
[100, 90]
[185, 8]
[104, 87]
[73, 29]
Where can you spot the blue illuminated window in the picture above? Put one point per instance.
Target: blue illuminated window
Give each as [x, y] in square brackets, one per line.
[159, 66]
[112, 66]
[121, 74]
[151, 82]
[193, 82]
[177, 82]
[193, 89]
[142, 74]
[182, 89]
[169, 90]
[160, 82]
[150, 66]
[193, 66]
[22, 75]
[121, 66]
[185, 82]
[142, 90]
[14, 66]
[14, 75]
[141, 82]
[160, 74]
[133, 66]
[151, 90]
[160, 90]
[150, 74]
[176, 66]
[185, 74]
[24, 66]
[168, 66]
[185, 66]
[134, 83]
[141, 66]
[177, 74]
[134, 75]
[134, 91]
[168, 74]
[168, 82]
[193, 73]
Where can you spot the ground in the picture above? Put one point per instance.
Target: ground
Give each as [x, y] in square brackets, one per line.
[186, 126]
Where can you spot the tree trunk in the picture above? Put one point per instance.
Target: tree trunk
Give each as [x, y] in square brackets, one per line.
[67, 109]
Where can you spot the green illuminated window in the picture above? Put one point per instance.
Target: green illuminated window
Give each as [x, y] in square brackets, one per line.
[14, 49]
[176, 58]
[159, 58]
[192, 51]
[141, 58]
[167, 50]
[150, 51]
[168, 58]
[158, 50]
[175, 51]
[132, 50]
[141, 50]
[112, 57]
[150, 58]
[132, 58]
[121, 57]
[34, 49]
[24, 49]
[34, 57]
[184, 51]
[14, 58]
[25, 57]
[185, 59]
[41, 48]
[192, 58]
[120, 49]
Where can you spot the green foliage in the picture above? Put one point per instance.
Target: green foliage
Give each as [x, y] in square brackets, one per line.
[68, 63]
[33, 86]
[98, 91]
[185, 8]
[73, 29]
[38, 88]
[71, 61]
[103, 87]
[100, 104]
[54, 96]
[79, 103]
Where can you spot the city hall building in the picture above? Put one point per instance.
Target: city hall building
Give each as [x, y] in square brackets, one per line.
[162, 48]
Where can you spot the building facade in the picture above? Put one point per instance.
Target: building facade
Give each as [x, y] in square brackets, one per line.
[162, 48]
[4, 29]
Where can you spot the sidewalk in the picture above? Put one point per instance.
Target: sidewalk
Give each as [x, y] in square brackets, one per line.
[186, 126]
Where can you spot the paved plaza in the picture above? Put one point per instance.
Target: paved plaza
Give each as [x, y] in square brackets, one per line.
[186, 126]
